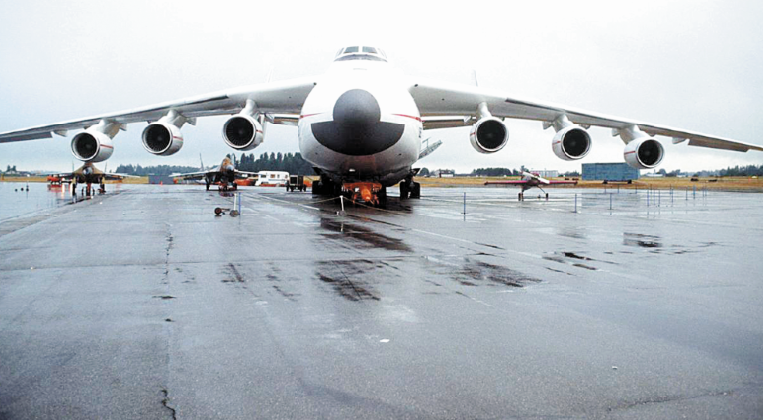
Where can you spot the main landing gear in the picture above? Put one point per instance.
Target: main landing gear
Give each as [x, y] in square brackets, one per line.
[225, 187]
[521, 196]
[409, 188]
[325, 186]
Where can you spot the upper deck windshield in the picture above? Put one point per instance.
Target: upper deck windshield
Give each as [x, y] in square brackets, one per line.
[361, 53]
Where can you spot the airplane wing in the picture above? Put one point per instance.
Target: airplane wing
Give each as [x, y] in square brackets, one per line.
[117, 177]
[193, 175]
[518, 182]
[284, 97]
[552, 182]
[449, 102]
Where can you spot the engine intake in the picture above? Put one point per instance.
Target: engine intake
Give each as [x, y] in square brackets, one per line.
[242, 132]
[489, 135]
[571, 143]
[162, 139]
[92, 146]
[643, 153]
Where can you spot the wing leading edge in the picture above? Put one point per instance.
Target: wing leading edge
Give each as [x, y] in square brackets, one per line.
[449, 102]
[270, 98]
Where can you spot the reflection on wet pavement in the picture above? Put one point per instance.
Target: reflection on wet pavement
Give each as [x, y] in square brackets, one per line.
[360, 236]
[469, 271]
[351, 279]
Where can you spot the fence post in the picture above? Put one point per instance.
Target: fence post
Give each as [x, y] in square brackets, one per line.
[464, 205]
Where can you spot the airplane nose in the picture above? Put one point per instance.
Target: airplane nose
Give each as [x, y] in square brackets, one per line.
[357, 129]
[356, 109]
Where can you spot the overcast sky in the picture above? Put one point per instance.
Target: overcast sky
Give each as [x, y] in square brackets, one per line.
[696, 65]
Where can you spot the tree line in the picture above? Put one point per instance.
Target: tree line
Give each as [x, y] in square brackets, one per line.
[291, 163]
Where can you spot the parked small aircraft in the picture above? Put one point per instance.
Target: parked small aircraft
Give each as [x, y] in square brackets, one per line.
[223, 175]
[86, 174]
[531, 180]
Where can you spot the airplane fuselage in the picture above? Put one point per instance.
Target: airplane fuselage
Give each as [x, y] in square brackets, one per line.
[361, 124]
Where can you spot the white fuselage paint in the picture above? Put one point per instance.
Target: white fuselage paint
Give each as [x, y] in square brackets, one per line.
[397, 106]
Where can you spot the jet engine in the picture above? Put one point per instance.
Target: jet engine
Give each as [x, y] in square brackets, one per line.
[571, 143]
[643, 153]
[242, 132]
[489, 135]
[92, 146]
[162, 139]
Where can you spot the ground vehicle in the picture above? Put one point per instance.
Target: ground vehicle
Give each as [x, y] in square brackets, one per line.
[272, 179]
[296, 182]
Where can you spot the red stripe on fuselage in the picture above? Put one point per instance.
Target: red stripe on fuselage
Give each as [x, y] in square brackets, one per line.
[408, 116]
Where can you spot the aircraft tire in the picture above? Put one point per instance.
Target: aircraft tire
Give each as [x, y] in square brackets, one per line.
[416, 190]
[404, 190]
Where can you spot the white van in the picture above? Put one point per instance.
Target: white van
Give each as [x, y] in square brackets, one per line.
[271, 179]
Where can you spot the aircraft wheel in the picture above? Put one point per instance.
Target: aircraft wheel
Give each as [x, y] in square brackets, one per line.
[416, 190]
[404, 190]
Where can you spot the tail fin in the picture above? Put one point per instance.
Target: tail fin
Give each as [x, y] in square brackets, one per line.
[202, 163]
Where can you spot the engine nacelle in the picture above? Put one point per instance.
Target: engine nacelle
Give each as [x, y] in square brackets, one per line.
[571, 143]
[489, 135]
[162, 139]
[643, 153]
[92, 146]
[242, 132]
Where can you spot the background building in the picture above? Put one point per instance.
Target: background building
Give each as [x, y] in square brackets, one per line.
[545, 173]
[609, 172]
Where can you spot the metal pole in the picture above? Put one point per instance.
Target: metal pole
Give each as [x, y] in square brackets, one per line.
[610, 202]
[464, 206]
[647, 198]
[694, 193]
[576, 202]
[238, 195]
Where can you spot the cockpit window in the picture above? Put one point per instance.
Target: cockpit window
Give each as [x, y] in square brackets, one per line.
[361, 53]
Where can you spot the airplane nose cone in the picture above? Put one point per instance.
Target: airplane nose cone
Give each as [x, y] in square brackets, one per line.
[356, 109]
[357, 129]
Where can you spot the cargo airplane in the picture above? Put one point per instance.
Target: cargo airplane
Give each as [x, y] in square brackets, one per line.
[362, 123]
[224, 175]
[531, 180]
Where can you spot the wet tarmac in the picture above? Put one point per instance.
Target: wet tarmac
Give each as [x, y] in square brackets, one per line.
[144, 304]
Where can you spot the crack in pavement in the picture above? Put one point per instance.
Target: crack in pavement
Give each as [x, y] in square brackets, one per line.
[664, 399]
[165, 402]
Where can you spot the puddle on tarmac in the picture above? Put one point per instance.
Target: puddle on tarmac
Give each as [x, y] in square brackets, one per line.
[641, 240]
[656, 245]
[361, 236]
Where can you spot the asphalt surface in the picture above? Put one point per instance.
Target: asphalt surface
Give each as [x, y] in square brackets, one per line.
[144, 304]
